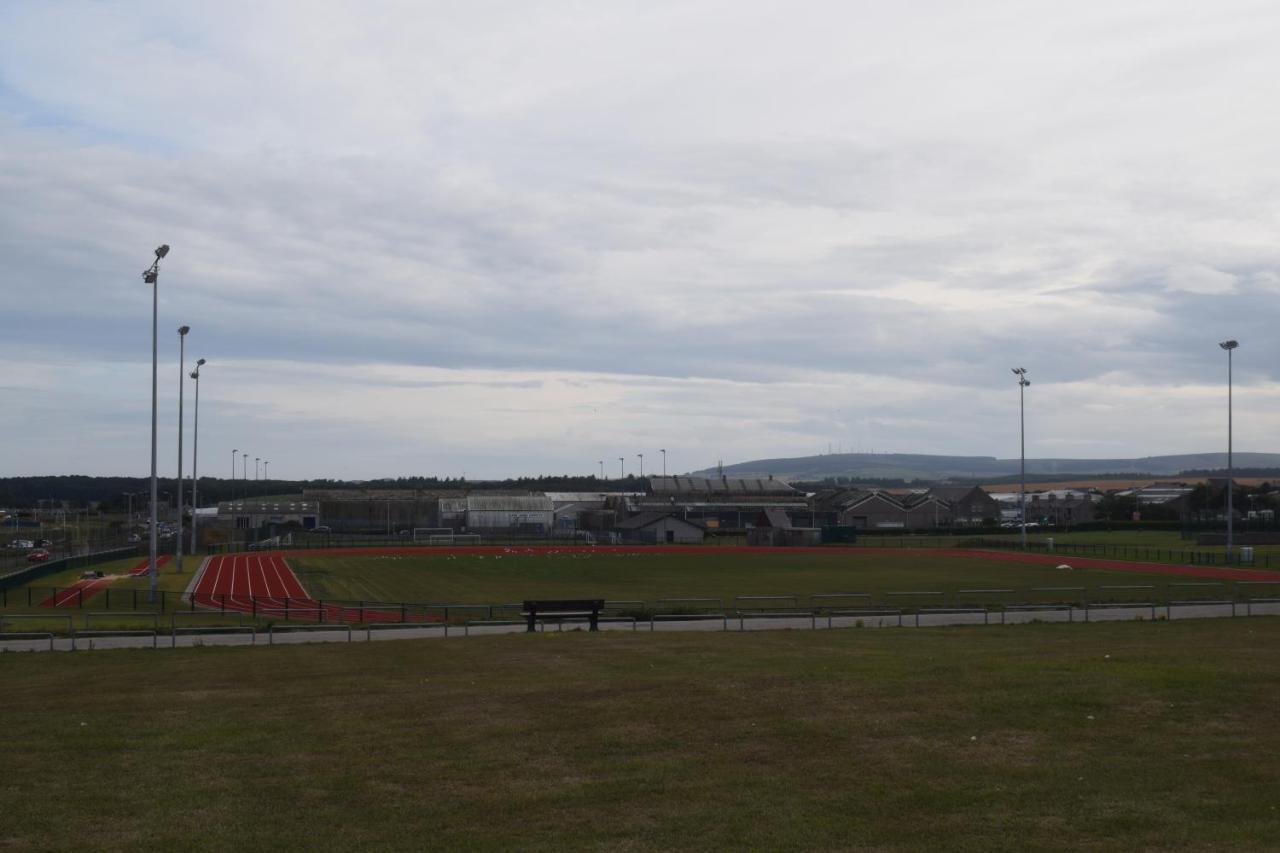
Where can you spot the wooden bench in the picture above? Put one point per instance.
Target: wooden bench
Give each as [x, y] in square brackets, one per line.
[589, 607]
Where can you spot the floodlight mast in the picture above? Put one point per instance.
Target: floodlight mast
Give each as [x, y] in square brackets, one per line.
[641, 455]
[663, 451]
[1230, 347]
[182, 383]
[195, 458]
[622, 468]
[1023, 382]
[151, 275]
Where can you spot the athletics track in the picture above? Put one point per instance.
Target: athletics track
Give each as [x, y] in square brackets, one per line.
[263, 583]
[83, 590]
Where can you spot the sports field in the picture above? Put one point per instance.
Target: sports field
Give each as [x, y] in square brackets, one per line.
[493, 575]
[1113, 737]
[368, 585]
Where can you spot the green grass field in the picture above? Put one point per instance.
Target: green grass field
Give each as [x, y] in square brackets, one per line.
[649, 577]
[1111, 737]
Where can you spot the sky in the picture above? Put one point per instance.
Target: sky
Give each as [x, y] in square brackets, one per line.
[492, 239]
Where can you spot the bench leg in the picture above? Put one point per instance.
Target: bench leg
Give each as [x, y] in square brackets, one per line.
[532, 618]
[595, 620]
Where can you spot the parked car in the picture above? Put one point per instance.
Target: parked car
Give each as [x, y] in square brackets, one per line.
[44, 543]
[22, 543]
[321, 528]
[133, 537]
[39, 555]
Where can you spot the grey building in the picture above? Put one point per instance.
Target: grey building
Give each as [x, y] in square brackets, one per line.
[719, 502]
[658, 527]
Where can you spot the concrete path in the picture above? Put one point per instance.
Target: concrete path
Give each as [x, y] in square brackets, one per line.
[192, 636]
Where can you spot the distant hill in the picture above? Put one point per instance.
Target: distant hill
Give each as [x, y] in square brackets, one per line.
[920, 466]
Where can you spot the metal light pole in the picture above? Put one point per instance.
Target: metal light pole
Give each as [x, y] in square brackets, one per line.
[256, 466]
[641, 455]
[152, 277]
[234, 453]
[601, 469]
[622, 468]
[1230, 347]
[663, 451]
[195, 458]
[182, 369]
[266, 478]
[1023, 382]
[244, 466]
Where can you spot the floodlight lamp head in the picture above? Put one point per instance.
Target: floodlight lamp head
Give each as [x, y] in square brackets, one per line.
[161, 251]
[182, 330]
[195, 374]
[200, 362]
[1229, 345]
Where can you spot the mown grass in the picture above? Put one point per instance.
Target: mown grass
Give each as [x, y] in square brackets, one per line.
[515, 576]
[1041, 737]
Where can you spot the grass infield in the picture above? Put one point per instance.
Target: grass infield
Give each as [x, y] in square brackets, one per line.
[517, 575]
[1117, 736]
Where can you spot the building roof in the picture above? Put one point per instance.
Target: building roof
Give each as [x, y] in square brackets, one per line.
[774, 517]
[268, 507]
[645, 519]
[719, 486]
[577, 497]
[954, 493]
[507, 503]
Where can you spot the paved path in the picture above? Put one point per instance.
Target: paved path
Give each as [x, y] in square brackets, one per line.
[294, 634]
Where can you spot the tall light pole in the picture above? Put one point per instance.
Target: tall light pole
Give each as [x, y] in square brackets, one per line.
[641, 455]
[663, 451]
[601, 471]
[1023, 382]
[151, 276]
[257, 460]
[1230, 347]
[266, 478]
[622, 468]
[195, 458]
[245, 470]
[182, 382]
[234, 453]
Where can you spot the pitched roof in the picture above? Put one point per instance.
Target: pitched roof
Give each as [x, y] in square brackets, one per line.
[774, 517]
[645, 519]
[719, 486]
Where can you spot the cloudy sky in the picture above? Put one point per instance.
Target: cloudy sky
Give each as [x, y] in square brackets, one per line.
[501, 238]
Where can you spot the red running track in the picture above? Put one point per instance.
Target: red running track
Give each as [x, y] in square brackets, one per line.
[144, 565]
[264, 585]
[76, 593]
[83, 590]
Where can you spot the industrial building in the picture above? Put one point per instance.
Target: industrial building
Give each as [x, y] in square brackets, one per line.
[719, 502]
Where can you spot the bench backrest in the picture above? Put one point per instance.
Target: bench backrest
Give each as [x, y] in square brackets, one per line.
[577, 605]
